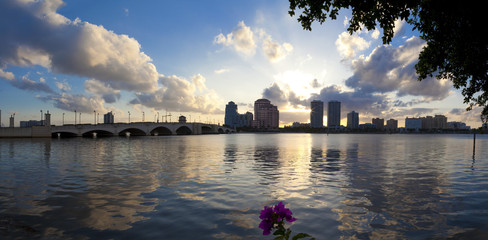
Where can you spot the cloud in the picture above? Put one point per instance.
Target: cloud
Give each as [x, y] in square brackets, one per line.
[179, 94]
[222, 70]
[49, 39]
[399, 27]
[348, 45]
[241, 39]
[375, 34]
[27, 84]
[245, 40]
[63, 86]
[77, 102]
[389, 69]
[103, 90]
[273, 50]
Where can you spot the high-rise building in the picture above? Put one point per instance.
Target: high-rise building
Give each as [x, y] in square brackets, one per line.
[317, 114]
[266, 115]
[353, 120]
[413, 123]
[334, 114]
[231, 114]
[379, 122]
[108, 118]
[392, 124]
[440, 122]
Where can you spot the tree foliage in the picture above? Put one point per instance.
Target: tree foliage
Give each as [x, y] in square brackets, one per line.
[455, 34]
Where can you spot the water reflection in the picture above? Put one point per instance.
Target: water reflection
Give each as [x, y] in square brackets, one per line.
[338, 186]
[382, 199]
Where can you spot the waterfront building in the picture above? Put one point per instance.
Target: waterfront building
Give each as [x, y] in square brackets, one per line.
[317, 114]
[244, 120]
[182, 119]
[334, 114]
[31, 123]
[231, 114]
[367, 126]
[457, 126]
[300, 125]
[353, 120]
[392, 125]
[440, 122]
[413, 123]
[108, 118]
[379, 122]
[266, 115]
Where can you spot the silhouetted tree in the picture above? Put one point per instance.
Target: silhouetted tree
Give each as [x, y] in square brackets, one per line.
[455, 33]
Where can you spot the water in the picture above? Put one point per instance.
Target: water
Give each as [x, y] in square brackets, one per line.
[214, 186]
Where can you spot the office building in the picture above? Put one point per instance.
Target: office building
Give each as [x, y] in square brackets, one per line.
[379, 122]
[231, 114]
[317, 114]
[392, 125]
[266, 115]
[413, 123]
[108, 118]
[334, 114]
[353, 120]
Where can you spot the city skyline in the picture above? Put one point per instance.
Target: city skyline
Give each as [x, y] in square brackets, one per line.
[190, 59]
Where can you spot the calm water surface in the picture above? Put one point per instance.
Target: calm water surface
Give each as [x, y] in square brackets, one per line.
[214, 186]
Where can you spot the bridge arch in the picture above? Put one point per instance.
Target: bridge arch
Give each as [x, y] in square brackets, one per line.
[161, 131]
[63, 134]
[99, 133]
[132, 132]
[221, 131]
[207, 130]
[183, 130]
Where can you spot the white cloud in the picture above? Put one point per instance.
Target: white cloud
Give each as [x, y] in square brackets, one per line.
[179, 94]
[77, 102]
[245, 40]
[222, 70]
[63, 86]
[389, 69]
[375, 34]
[7, 75]
[399, 27]
[273, 50]
[348, 45]
[103, 90]
[72, 47]
[241, 39]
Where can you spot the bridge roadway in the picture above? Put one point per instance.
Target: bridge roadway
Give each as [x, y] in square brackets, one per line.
[138, 129]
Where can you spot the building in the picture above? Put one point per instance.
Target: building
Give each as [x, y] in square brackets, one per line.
[379, 122]
[31, 123]
[108, 118]
[266, 115]
[300, 125]
[458, 126]
[353, 120]
[45, 122]
[440, 122]
[317, 114]
[334, 114]
[181, 119]
[392, 125]
[413, 123]
[231, 114]
[244, 120]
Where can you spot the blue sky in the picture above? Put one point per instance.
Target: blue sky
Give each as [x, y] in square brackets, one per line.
[192, 57]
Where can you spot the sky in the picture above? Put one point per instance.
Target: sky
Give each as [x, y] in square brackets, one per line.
[150, 58]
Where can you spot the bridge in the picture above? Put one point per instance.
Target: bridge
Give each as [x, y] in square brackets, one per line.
[137, 129]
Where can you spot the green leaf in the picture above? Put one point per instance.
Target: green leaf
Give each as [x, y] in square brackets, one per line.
[300, 236]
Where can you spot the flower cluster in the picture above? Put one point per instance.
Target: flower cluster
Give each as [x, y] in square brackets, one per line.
[274, 217]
